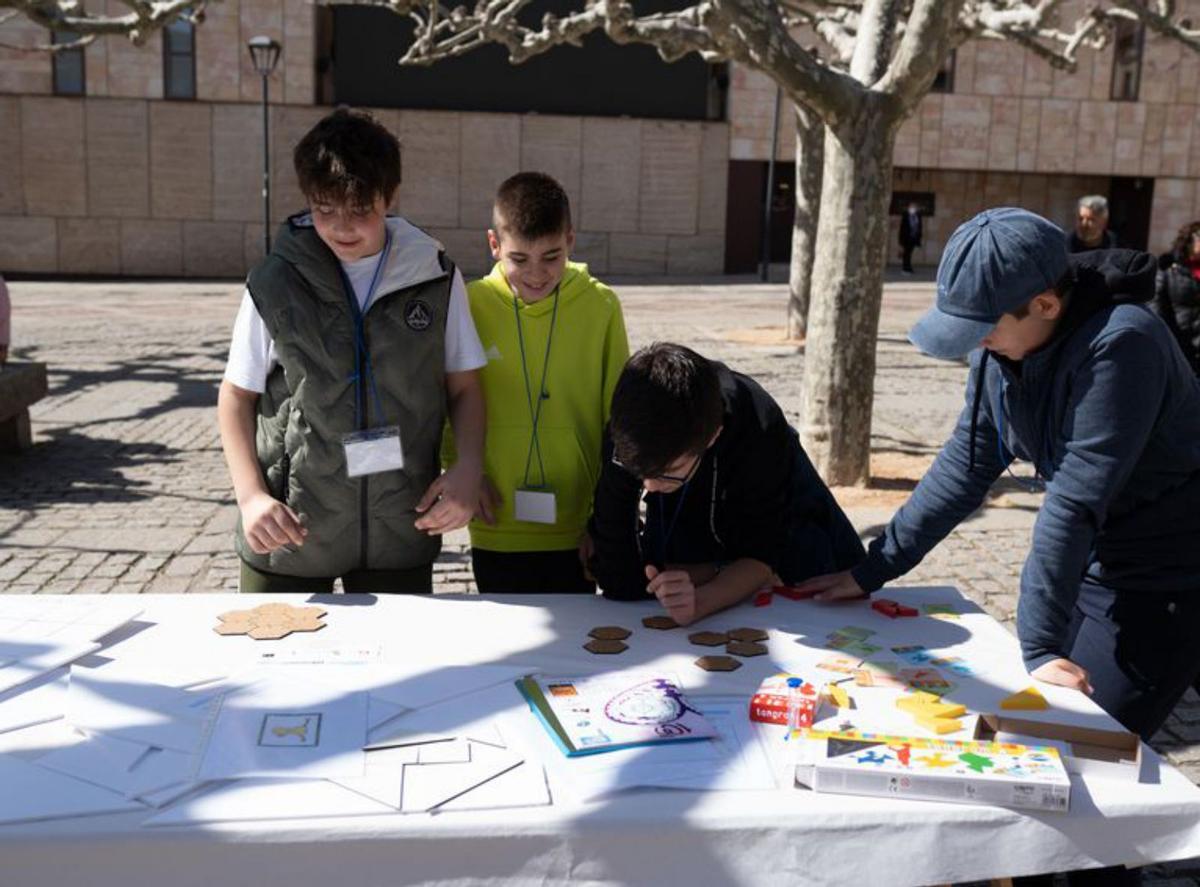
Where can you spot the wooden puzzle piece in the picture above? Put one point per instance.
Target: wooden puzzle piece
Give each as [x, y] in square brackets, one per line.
[1029, 699]
[837, 696]
[609, 633]
[891, 609]
[269, 622]
[762, 599]
[709, 638]
[659, 623]
[792, 593]
[749, 635]
[602, 646]
[745, 648]
[718, 663]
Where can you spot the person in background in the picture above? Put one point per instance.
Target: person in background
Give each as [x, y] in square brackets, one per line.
[1177, 291]
[910, 235]
[1091, 226]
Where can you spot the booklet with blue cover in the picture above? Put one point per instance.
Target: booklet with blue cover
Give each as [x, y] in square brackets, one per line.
[586, 715]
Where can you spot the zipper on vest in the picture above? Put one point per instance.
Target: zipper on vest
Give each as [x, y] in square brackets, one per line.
[363, 492]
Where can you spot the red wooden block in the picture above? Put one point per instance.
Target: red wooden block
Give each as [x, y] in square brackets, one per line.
[902, 610]
[886, 607]
[762, 599]
[792, 594]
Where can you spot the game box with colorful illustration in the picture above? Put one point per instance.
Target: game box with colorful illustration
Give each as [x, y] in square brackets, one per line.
[928, 769]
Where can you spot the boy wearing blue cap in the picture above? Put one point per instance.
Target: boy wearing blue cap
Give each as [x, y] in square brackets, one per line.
[1071, 372]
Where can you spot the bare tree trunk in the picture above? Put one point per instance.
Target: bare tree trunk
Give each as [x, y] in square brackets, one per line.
[847, 289]
[810, 154]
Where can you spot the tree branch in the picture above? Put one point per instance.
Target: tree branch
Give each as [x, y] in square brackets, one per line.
[144, 17]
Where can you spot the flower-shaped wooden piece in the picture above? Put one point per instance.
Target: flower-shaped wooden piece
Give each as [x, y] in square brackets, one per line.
[269, 622]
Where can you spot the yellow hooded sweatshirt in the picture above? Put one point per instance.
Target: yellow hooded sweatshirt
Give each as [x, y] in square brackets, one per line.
[587, 354]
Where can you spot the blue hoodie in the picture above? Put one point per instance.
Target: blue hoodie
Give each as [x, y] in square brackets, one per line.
[1108, 412]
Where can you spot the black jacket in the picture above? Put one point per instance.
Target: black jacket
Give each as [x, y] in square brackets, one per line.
[754, 495]
[1075, 245]
[1177, 302]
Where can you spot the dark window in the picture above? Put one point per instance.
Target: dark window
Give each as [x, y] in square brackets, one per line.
[179, 60]
[1128, 38]
[944, 81]
[69, 76]
[599, 77]
[926, 205]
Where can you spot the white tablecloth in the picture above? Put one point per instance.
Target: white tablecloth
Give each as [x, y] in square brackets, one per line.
[638, 837]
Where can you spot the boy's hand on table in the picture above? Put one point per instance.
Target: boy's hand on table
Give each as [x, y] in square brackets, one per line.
[675, 591]
[450, 502]
[832, 587]
[268, 524]
[1064, 673]
[489, 501]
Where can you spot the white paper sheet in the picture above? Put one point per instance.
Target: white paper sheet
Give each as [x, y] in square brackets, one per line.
[383, 778]
[132, 769]
[33, 793]
[103, 701]
[268, 799]
[35, 703]
[523, 786]
[428, 786]
[39, 659]
[279, 727]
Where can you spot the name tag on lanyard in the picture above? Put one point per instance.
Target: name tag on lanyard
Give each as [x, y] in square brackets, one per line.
[535, 506]
[373, 451]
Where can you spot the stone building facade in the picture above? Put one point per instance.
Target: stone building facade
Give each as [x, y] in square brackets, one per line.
[121, 181]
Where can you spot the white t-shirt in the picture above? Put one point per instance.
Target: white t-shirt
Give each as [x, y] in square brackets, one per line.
[252, 351]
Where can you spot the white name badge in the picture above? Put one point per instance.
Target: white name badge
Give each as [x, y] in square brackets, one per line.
[535, 506]
[373, 451]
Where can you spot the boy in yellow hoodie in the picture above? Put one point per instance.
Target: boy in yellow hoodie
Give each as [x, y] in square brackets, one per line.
[555, 343]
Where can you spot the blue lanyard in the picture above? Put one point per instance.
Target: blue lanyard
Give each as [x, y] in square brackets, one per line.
[666, 531]
[535, 412]
[362, 356]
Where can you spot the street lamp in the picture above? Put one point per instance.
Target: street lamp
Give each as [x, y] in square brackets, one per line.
[264, 54]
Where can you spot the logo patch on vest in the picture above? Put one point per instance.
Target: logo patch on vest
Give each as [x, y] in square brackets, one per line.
[418, 315]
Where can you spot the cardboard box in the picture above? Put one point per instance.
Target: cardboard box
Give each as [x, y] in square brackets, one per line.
[1086, 751]
[929, 769]
[769, 705]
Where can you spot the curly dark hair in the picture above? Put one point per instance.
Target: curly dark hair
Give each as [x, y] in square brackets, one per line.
[1182, 246]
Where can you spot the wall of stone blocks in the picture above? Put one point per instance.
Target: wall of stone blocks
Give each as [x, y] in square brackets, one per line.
[119, 186]
[115, 67]
[1010, 112]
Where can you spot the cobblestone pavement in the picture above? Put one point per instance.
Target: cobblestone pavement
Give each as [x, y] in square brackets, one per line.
[126, 492]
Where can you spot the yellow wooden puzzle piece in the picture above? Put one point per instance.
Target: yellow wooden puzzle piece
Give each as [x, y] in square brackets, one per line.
[914, 702]
[1029, 699]
[837, 696]
[940, 725]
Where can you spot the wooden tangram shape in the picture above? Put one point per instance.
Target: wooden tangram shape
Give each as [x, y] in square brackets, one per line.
[718, 663]
[745, 648]
[709, 638]
[609, 633]
[1029, 699]
[600, 645]
[270, 622]
[659, 623]
[749, 635]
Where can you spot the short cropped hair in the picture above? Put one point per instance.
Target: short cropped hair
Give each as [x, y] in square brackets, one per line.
[531, 205]
[1096, 203]
[348, 158]
[667, 404]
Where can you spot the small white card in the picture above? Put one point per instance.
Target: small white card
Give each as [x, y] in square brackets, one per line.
[535, 506]
[373, 451]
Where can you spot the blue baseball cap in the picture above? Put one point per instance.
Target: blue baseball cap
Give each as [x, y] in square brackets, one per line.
[991, 266]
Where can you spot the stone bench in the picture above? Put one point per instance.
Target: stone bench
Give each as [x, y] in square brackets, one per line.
[21, 384]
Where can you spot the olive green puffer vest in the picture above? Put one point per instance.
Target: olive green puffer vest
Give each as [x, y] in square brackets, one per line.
[299, 291]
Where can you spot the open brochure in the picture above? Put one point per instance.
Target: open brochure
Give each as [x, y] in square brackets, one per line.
[586, 715]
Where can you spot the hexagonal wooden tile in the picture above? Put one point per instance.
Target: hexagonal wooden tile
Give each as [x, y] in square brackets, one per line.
[659, 623]
[603, 646]
[609, 633]
[270, 622]
[749, 635]
[709, 638]
[745, 648]
[718, 663]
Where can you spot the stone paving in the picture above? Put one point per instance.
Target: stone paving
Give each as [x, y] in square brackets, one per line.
[126, 492]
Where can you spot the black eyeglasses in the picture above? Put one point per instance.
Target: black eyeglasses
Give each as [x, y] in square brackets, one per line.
[663, 478]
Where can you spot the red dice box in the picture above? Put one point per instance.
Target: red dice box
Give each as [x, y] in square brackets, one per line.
[770, 704]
